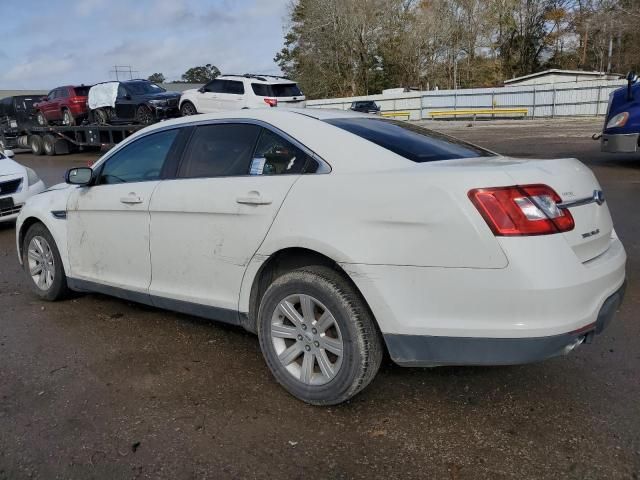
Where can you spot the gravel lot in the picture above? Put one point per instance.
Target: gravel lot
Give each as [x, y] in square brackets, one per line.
[97, 387]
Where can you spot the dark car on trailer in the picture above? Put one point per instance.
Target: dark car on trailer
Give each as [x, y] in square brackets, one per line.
[138, 101]
[16, 117]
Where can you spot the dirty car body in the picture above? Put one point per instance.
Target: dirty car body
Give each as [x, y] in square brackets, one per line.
[246, 216]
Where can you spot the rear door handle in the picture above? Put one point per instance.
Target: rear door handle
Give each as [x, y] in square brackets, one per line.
[254, 198]
[131, 199]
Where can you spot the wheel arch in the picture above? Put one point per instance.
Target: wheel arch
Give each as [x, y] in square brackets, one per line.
[24, 228]
[282, 261]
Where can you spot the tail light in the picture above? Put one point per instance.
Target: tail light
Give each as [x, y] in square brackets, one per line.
[522, 210]
[272, 102]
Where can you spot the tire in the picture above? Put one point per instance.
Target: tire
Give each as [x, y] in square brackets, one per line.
[67, 118]
[49, 145]
[41, 119]
[351, 327]
[144, 115]
[38, 249]
[36, 144]
[101, 117]
[187, 109]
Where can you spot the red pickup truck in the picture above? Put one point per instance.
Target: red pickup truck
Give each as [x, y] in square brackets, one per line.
[66, 105]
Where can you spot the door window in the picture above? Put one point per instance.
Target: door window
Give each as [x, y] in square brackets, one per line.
[274, 156]
[141, 160]
[219, 150]
[234, 87]
[122, 92]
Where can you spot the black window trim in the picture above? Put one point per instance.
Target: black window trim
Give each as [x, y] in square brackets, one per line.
[182, 141]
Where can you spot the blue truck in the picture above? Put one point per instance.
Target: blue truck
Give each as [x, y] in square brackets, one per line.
[622, 122]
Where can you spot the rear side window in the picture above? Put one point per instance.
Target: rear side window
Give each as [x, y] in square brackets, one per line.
[139, 161]
[234, 87]
[261, 90]
[81, 91]
[219, 150]
[276, 156]
[410, 141]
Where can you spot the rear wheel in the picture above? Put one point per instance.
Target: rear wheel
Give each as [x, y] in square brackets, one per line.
[41, 119]
[42, 264]
[67, 118]
[187, 109]
[318, 336]
[36, 144]
[144, 115]
[49, 145]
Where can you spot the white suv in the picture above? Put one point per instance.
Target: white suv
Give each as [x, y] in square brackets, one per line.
[232, 92]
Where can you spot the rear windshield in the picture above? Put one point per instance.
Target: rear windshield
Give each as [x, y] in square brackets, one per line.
[276, 90]
[81, 91]
[408, 140]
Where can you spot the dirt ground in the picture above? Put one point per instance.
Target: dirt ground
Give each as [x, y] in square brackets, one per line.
[97, 387]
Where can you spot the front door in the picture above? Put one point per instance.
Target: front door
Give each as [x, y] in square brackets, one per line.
[208, 100]
[108, 223]
[207, 224]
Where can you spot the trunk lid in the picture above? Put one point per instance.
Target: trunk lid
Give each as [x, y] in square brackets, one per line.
[573, 181]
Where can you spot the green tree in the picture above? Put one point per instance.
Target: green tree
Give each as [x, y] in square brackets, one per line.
[201, 74]
[157, 78]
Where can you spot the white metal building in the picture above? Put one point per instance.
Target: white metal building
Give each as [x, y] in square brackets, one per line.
[555, 75]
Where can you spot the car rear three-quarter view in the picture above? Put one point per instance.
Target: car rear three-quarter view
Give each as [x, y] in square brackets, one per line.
[337, 236]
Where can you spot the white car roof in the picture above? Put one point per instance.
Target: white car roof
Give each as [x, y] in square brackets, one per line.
[266, 79]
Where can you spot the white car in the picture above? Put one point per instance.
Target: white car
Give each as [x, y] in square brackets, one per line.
[232, 92]
[17, 183]
[336, 236]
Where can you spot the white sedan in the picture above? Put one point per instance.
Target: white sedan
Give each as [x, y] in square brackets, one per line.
[337, 236]
[17, 183]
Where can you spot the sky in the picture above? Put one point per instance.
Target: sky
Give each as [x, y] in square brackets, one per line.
[49, 43]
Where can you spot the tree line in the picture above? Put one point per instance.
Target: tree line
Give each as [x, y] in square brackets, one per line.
[201, 74]
[336, 48]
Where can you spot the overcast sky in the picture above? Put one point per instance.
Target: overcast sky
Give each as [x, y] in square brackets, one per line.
[45, 43]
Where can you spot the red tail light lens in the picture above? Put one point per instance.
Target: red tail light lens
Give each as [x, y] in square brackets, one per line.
[522, 210]
[272, 102]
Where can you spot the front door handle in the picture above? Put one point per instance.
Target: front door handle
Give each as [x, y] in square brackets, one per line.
[131, 199]
[254, 198]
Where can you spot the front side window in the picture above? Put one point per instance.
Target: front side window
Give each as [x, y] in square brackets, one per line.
[274, 156]
[219, 150]
[140, 161]
[216, 86]
[408, 140]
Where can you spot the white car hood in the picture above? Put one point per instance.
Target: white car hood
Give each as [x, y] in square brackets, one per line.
[9, 167]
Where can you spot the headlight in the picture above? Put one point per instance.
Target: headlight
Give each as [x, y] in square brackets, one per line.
[618, 120]
[32, 176]
[158, 103]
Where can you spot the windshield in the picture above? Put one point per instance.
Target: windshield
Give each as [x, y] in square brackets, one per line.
[415, 143]
[143, 88]
[276, 90]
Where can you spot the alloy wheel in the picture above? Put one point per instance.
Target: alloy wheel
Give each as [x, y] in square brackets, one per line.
[41, 263]
[307, 339]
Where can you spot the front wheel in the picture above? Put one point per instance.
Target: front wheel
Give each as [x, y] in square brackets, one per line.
[42, 264]
[318, 336]
[144, 115]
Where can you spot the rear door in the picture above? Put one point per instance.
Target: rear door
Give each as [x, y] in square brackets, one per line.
[232, 96]
[125, 104]
[207, 224]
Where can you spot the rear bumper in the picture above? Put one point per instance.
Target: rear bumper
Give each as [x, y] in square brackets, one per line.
[620, 143]
[428, 351]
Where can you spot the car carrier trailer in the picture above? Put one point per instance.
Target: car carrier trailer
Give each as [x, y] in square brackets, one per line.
[59, 140]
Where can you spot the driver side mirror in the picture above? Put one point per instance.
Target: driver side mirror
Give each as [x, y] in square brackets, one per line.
[201, 90]
[9, 153]
[79, 176]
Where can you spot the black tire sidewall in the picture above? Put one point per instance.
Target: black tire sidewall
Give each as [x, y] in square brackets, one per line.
[36, 145]
[337, 390]
[59, 288]
[188, 104]
[49, 141]
[72, 121]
